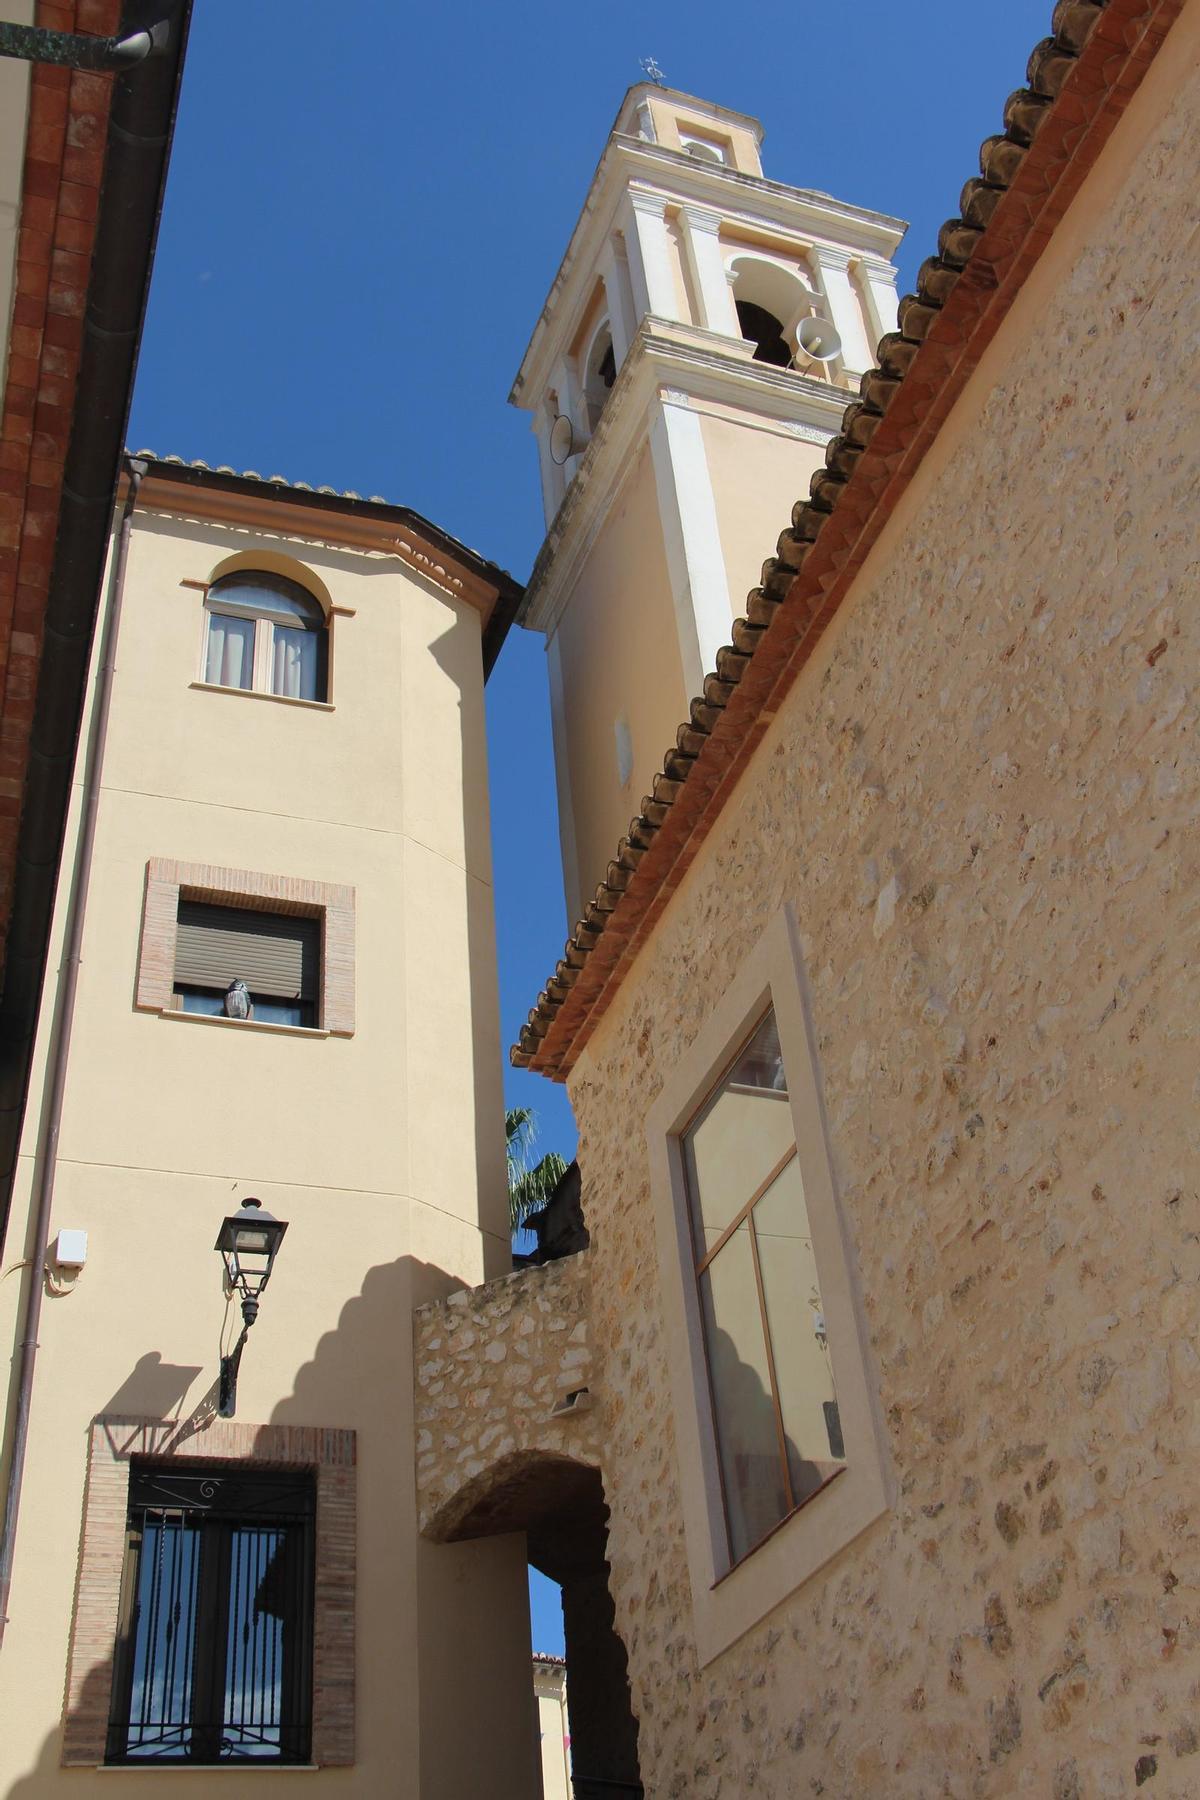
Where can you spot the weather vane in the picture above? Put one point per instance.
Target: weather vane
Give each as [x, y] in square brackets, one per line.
[652, 71]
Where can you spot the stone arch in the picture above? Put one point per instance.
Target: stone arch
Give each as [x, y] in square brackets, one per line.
[556, 1499]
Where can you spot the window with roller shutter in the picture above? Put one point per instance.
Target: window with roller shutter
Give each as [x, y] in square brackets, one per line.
[277, 956]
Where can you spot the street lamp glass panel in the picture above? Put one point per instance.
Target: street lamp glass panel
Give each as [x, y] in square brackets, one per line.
[249, 1241]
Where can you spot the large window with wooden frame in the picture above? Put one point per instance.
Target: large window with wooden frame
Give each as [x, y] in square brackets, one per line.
[240, 963]
[775, 1410]
[214, 1650]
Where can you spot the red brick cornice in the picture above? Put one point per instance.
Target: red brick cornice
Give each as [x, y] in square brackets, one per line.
[1081, 80]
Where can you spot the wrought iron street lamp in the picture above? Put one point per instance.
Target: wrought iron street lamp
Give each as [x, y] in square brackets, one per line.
[249, 1241]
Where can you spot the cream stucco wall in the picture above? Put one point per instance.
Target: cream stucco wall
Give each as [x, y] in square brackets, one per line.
[383, 1149]
[757, 470]
[617, 650]
[550, 1693]
[981, 801]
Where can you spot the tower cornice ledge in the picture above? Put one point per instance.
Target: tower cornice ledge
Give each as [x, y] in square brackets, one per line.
[748, 202]
[668, 365]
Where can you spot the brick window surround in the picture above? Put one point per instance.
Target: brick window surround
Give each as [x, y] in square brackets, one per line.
[167, 882]
[331, 1453]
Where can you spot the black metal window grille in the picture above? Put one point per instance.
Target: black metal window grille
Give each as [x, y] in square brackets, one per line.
[214, 1647]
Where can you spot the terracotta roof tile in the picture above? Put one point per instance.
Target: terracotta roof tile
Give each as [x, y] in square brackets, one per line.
[625, 909]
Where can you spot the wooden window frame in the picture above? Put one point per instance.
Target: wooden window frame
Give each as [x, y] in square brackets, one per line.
[114, 1442]
[167, 881]
[729, 1598]
[702, 1262]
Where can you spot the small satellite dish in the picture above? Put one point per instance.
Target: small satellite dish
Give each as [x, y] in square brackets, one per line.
[562, 439]
[817, 341]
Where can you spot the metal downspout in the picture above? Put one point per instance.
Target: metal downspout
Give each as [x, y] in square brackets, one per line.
[46, 1155]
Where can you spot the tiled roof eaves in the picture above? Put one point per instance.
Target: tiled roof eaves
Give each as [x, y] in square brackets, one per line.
[1080, 80]
[509, 591]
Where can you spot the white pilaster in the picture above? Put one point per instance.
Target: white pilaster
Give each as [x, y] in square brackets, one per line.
[695, 559]
[618, 291]
[552, 481]
[649, 250]
[562, 777]
[878, 283]
[701, 235]
[833, 275]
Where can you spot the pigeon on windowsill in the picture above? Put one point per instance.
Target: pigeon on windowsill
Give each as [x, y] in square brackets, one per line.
[237, 1001]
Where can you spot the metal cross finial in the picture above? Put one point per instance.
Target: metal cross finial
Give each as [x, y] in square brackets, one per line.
[652, 71]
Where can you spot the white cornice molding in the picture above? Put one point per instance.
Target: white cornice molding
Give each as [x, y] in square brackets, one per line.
[662, 370]
[749, 202]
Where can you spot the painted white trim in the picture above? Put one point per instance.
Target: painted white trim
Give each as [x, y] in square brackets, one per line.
[568, 846]
[691, 537]
[702, 242]
[618, 293]
[878, 283]
[649, 250]
[832, 268]
[727, 1602]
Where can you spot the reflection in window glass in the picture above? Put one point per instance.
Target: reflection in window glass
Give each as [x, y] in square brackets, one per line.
[775, 1410]
[755, 1495]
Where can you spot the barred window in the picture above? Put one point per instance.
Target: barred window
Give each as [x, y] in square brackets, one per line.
[214, 1648]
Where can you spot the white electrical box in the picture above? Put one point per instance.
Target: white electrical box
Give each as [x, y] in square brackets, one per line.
[70, 1249]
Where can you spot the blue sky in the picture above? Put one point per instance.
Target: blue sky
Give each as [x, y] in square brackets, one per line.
[366, 206]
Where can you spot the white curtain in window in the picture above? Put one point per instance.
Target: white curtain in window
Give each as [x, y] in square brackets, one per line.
[295, 663]
[230, 659]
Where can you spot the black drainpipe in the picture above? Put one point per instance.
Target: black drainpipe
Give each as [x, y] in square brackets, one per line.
[46, 1155]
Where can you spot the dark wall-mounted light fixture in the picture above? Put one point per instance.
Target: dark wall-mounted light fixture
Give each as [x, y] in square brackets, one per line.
[249, 1241]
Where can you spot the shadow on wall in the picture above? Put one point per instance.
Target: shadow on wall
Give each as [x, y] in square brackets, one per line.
[449, 651]
[360, 1366]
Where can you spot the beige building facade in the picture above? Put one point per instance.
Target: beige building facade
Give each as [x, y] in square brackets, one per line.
[903, 1507]
[294, 757]
[550, 1695]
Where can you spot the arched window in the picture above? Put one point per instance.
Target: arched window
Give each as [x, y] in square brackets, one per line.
[599, 375]
[265, 633]
[771, 299]
[765, 332]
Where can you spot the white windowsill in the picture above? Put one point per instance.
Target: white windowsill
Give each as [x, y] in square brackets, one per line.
[308, 1031]
[219, 687]
[217, 1768]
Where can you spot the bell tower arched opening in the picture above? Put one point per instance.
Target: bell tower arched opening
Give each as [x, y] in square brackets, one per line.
[765, 332]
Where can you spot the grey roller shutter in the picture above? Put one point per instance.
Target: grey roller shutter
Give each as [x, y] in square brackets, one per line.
[272, 953]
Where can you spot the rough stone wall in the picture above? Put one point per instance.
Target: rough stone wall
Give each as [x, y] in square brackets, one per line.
[981, 799]
[491, 1364]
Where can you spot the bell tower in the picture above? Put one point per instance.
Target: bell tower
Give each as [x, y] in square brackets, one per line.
[701, 339]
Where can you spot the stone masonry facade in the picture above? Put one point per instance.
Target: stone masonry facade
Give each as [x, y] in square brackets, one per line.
[981, 799]
[492, 1366]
